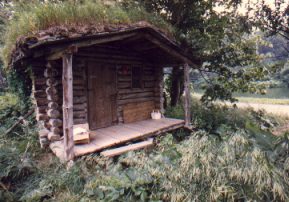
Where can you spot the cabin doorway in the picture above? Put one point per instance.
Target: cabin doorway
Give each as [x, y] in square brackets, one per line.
[101, 95]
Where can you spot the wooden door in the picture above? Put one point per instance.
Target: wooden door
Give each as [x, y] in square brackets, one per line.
[101, 95]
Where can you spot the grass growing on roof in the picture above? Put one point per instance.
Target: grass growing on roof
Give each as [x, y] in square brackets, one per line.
[29, 18]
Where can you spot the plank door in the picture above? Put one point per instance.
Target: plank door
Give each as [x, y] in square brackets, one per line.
[101, 95]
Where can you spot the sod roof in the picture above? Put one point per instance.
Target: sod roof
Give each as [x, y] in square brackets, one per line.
[140, 37]
[43, 23]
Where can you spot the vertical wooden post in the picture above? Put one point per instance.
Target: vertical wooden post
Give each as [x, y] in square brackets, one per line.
[67, 83]
[161, 86]
[159, 89]
[187, 98]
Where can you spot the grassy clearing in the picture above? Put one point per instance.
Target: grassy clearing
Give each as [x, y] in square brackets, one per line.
[277, 107]
[263, 100]
[32, 17]
[256, 100]
[272, 93]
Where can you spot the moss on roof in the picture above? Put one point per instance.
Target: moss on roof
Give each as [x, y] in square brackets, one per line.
[36, 17]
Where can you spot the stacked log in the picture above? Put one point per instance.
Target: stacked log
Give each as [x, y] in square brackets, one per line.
[127, 95]
[79, 92]
[39, 99]
[43, 137]
[54, 122]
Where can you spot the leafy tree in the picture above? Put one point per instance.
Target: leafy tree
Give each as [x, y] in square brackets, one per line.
[272, 19]
[4, 15]
[219, 41]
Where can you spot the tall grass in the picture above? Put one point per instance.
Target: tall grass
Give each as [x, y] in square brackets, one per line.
[244, 163]
[29, 18]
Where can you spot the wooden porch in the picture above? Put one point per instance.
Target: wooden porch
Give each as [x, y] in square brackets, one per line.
[105, 138]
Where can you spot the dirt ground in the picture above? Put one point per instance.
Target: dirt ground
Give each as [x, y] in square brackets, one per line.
[282, 110]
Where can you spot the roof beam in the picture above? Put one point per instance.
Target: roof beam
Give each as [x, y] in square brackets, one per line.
[57, 52]
[168, 49]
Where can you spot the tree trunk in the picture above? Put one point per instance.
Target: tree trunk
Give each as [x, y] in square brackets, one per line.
[187, 96]
[177, 87]
[67, 83]
[2, 80]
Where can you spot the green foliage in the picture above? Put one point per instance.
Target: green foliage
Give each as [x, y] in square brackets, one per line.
[218, 118]
[230, 170]
[274, 20]
[244, 162]
[17, 152]
[119, 184]
[284, 75]
[19, 83]
[29, 18]
[12, 108]
[222, 44]
[7, 100]
[175, 112]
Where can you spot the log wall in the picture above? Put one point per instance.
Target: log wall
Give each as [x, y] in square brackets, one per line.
[152, 76]
[40, 99]
[151, 92]
[127, 95]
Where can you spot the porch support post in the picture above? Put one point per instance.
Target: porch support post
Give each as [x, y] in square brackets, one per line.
[187, 96]
[161, 86]
[67, 83]
[159, 89]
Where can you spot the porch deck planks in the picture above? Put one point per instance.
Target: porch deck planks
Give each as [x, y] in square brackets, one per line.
[104, 138]
[121, 132]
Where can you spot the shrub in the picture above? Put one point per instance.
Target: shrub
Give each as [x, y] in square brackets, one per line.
[246, 163]
[217, 118]
[207, 169]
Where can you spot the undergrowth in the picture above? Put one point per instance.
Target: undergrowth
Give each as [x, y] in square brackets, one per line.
[231, 156]
[35, 16]
[216, 117]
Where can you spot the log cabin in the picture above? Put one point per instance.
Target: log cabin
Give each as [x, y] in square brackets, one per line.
[109, 80]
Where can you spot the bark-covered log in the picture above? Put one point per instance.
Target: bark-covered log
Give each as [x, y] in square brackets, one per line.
[53, 105]
[51, 82]
[79, 100]
[53, 113]
[53, 137]
[159, 92]
[67, 83]
[41, 117]
[123, 102]
[51, 90]
[80, 107]
[43, 133]
[50, 72]
[39, 94]
[55, 122]
[55, 130]
[187, 102]
[135, 95]
[176, 90]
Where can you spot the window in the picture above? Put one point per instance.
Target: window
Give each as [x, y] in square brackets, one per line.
[136, 80]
